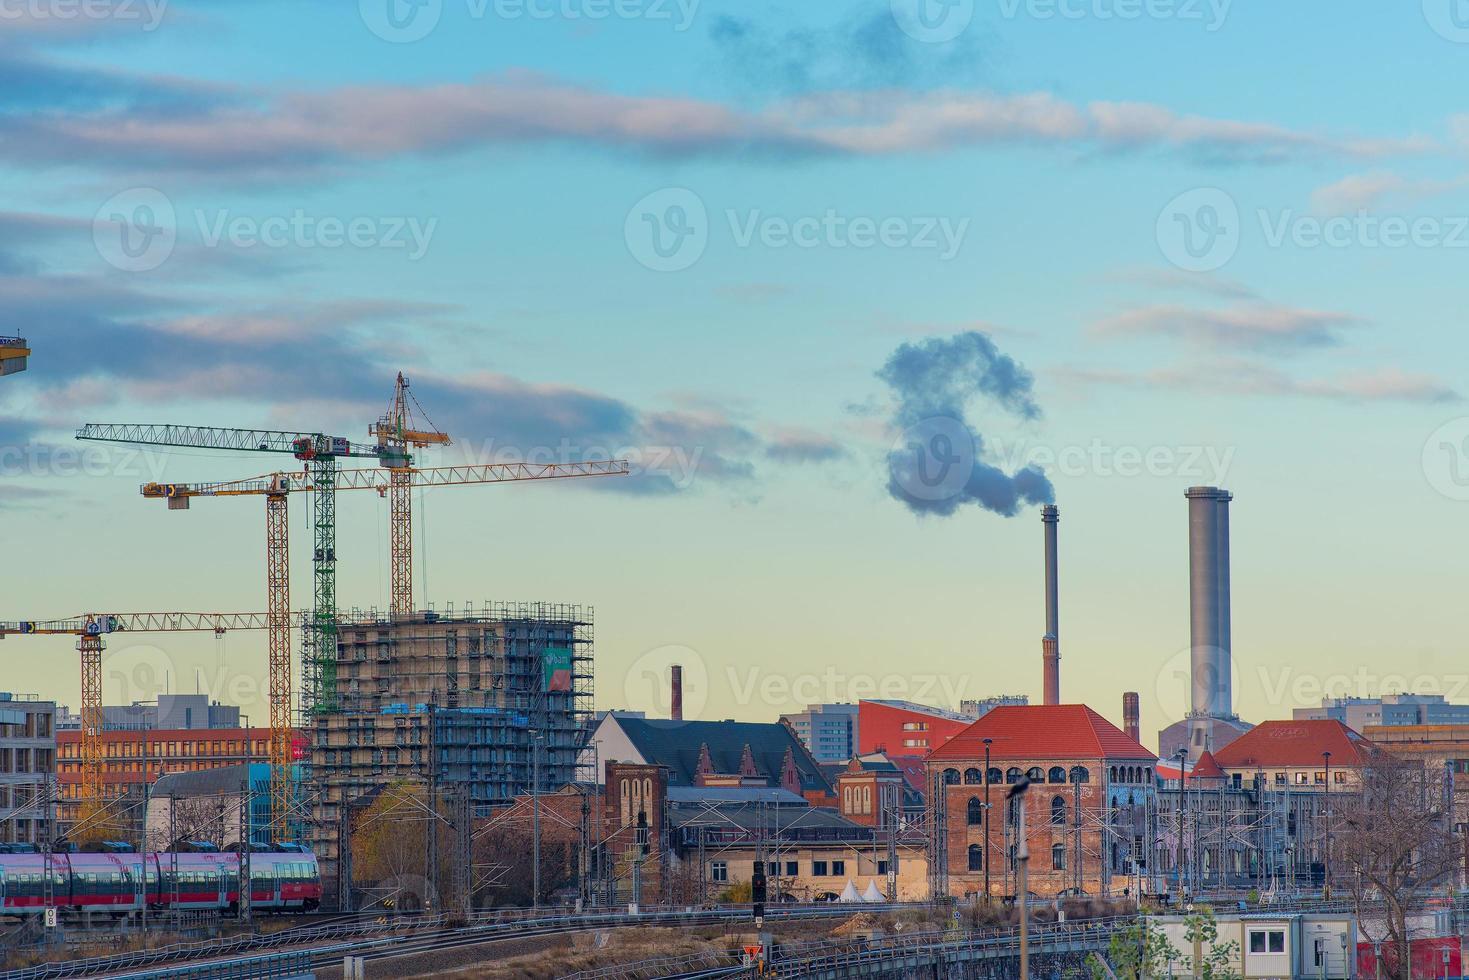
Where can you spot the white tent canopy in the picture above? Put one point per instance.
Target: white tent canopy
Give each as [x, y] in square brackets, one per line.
[872, 894]
[849, 894]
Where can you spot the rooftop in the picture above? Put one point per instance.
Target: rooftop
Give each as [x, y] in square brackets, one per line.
[1295, 743]
[1043, 731]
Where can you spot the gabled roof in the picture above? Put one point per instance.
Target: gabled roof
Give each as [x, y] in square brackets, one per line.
[1042, 731]
[1296, 743]
[677, 745]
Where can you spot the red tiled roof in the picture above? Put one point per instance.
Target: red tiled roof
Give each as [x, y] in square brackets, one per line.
[1206, 768]
[1042, 731]
[1296, 743]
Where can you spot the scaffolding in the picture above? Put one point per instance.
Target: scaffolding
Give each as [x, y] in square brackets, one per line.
[493, 700]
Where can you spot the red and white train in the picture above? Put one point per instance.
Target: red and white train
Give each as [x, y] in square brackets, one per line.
[119, 882]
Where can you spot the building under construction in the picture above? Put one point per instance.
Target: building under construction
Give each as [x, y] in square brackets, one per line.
[486, 702]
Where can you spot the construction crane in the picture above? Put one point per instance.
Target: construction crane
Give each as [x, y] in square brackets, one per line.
[13, 354]
[275, 487]
[397, 432]
[90, 631]
[320, 452]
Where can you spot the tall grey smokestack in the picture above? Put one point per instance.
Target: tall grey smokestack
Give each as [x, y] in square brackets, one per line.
[1209, 661]
[675, 707]
[1051, 642]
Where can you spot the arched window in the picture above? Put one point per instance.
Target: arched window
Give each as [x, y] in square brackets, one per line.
[976, 857]
[1056, 775]
[1058, 857]
[1132, 773]
[1079, 774]
[975, 812]
[1112, 774]
[1058, 811]
[1035, 774]
[971, 777]
[951, 777]
[1012, 775]
[995, 777]
[1148, 774]
[866, 799]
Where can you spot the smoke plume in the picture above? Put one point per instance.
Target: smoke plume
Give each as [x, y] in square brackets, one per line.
[936, 467]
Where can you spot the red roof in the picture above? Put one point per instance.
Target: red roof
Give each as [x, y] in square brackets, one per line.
[1043, 731]
[1296, 743]
[1206, 768]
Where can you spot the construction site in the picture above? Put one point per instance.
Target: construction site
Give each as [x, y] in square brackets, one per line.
[482, 703]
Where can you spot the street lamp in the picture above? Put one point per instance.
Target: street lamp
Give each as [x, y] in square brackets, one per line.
[1182, 756]
[1022, 859]
[1326, 857]
[986, 823]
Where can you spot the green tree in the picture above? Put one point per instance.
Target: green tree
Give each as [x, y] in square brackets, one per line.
[1212, 958]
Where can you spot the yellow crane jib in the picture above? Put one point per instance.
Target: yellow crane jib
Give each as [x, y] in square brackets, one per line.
[13, 354]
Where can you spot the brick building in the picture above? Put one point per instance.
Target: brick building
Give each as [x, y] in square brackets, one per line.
[132, 760]
[1086, 811]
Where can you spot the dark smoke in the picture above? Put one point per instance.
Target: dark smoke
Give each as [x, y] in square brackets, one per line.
[937, 467]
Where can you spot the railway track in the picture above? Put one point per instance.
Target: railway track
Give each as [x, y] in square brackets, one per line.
[392, 940]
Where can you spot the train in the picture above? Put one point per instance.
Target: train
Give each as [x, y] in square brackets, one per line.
[283, 879]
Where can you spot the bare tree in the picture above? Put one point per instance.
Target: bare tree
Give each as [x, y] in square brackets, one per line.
[1395, 839]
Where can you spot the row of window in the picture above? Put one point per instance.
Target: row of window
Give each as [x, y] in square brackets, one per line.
[1056, 774]
[719, 870]
[974, 812]
[137, 749]
[976, 857]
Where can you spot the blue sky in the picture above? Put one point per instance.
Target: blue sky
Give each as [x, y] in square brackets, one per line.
[1213, 241]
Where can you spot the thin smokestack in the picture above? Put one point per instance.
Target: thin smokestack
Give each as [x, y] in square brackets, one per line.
[1051, 642]
[1209, 614]
[675, 708]
[1131, 722]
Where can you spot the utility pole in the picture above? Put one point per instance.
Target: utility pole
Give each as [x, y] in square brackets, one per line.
[986, 827]
[1326, 855]
[344, 856]
[583, 864]
[1182, 756]
[535, 817]
[245, 835]
[1022, 859]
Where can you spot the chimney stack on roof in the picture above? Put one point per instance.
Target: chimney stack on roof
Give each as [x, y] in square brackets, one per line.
[1131, 723]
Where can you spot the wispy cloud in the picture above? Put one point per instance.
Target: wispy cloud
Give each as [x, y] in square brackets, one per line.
[804, 446]
[1208, 283]
[299, 133]
[1372, 191]
[1253, 327]
[1237, 377]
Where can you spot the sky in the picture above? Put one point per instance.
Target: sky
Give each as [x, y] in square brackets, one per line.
[800, 264]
